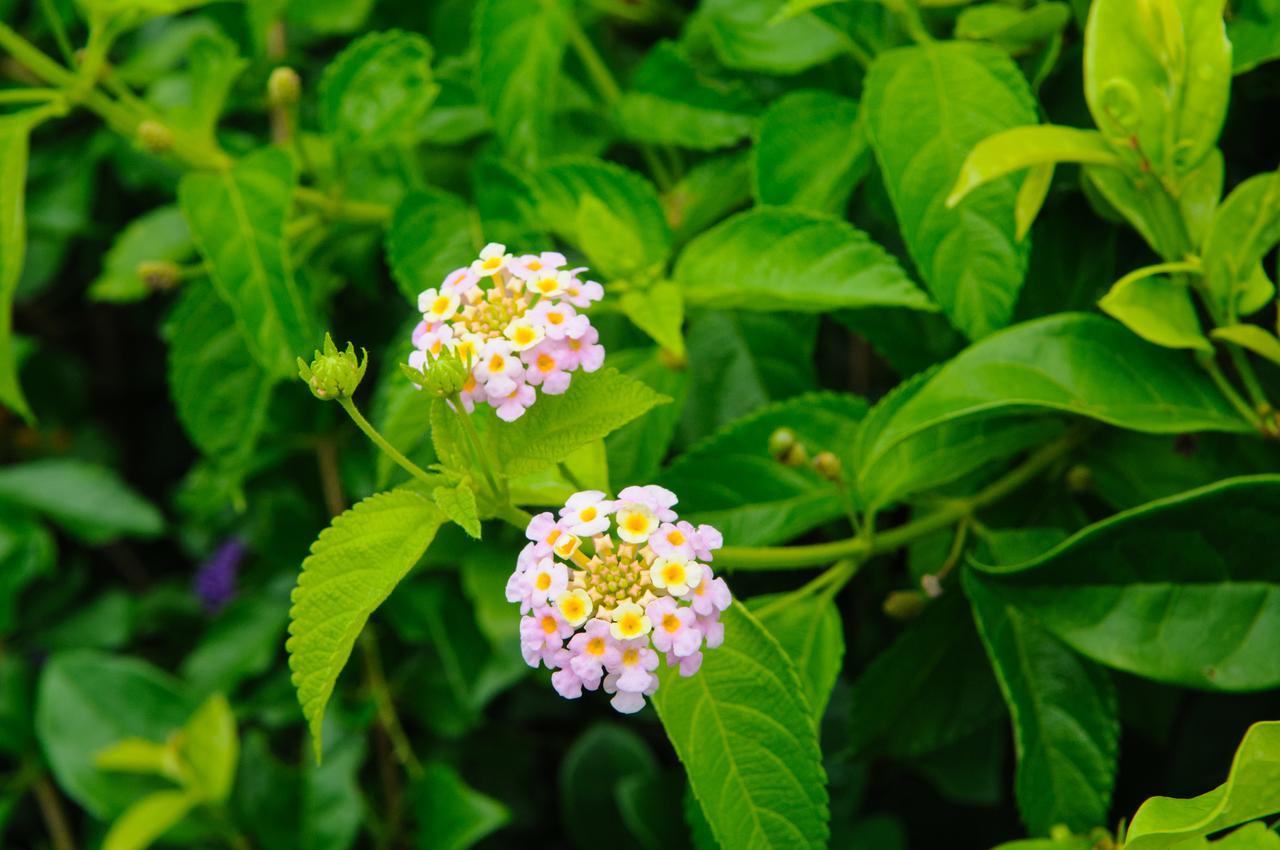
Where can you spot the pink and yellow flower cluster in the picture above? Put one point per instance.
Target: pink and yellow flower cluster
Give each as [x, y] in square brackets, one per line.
[514, 322]
[610, 587]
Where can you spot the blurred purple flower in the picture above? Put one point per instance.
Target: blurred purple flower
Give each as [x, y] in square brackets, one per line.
[215, 582]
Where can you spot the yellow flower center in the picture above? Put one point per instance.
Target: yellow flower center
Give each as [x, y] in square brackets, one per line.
[469, 385]
[572, 608]
[440, 304]
[549, 624]
[555, 318]
[588, 513]
[496, 362]
[675, 538]
[492, 264]
[546, 362]
[543, 581]
[595, 646]
[629, 625]
[673, 574]
[630, 656]
[553, 536]
[574, 344]
[534, 265]
[524, 335]
[546, 284]
[636, 523]
[671, 623]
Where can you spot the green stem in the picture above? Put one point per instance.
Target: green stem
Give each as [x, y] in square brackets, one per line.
[484, 460]
[1229, 392]
[1251, 383]
[862, 547]
[54, 20]
[387, 717]
[910, 14]
[356, 212]
[381, 442]
[33, 95]
[55, 817]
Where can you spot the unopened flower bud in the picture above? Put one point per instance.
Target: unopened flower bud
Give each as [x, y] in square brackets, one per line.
[1079, 478]
[334, 374]
[904, 604]
[796, 456]
[160, 275]
[154, 137]
[828, 466]
[284, 87]
[443, 376]
[781, 442]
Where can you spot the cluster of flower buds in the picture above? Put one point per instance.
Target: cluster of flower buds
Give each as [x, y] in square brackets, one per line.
[600, 611]
[514, 323]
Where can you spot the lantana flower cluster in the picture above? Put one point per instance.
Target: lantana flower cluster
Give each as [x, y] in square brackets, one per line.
[514, 323]
[610, 587]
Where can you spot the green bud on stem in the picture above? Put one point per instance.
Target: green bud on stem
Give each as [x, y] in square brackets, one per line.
[334, 374]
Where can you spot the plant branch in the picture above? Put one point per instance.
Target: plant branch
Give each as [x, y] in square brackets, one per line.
[863, 546]
[1229, 392]
[381, 442]
[355, 212]
[55, 817]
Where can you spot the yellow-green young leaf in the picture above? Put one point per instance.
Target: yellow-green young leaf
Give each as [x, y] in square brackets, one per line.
[808, 629]
[375, 92]
[147, 820]
[1252, 791]
[925, 108]
[1158, 71]
[211, 747]
[670, 102]
[237, 219]
[1157, 308]
[748, 741]
[138, 755]
[1016, 30]
[15, 131]
[770, 259]
[1031, 195]
[1254, 30]
[595, 405]
[1251, 836]
[792, 8]
[196, 103]
[1252, 337]
[659, 312]
[520, 46]
[459, 505]
[746, 37]
[634, 235]
[158, 235]
[1024, 147]
[1198, 194]
[1155, 215]
[429, 236]
[353, 566]
[1244, 229]
[810, 152]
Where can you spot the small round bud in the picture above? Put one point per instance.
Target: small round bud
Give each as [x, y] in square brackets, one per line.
[828, 466]
[1079, 479]
[160, 275]
[904, 604]
[932, 585]
[284, 87]
[781, 442]
[333, 374]
[154, 137]
[445, 376]
[797, 455]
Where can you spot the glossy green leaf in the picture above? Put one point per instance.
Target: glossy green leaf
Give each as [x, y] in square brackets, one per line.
[638, 222]
[244, 641]
[1177, 590]
[211, 746]
[1015, 30]
[670, 102]
[87, 500]
[592, 772]
[459, 505]
[384, 536]
[810, 152]
[27, 551]
[194, 100]
[1251, 337]
[1064, 714]
[1254, 31]
[747, 36]
[237, 219]
[1157, 308]
[926, 107]
[148, 819]
[429, 237]
[1071, 362]
[771, 259]
[809, 630]
[659, 312]
[520, 46]
[1160, 72]
[1245, 228]
[158, 235]
[220, 392]
[1013, 150]
[453, 815]
[88, 701]
[375, 92]
[636, 450]
[595, 405]
[748, 742]
[1155, 215]
[708, 191]
[731, 481]
[1252, 791]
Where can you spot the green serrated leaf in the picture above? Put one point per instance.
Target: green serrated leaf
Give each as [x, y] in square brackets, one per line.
[430, 235]
[771, 259]
[237, 220]
[1178, 590]
[925, 108]
[459, 505]
[375, 92]
[659, 312]
[809, 630]
[748, 741]
[161, 234]
[747, 35]
[353, 566]
[810, 152]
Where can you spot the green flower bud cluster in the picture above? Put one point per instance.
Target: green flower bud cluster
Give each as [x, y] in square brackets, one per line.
[334, 374]
[284, 87]
[787, 449]
[444, 376]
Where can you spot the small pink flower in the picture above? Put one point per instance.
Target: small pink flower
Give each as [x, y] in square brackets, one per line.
[541, 634]
[625, 701]
[636, 665]
[565, 680]
[498, 368]
[545, 366]
[532, 266]
[658, 499]
[594, 649]
[460, 281]
[689, 665]
[584, 353]
[544, 530]
[512, 406]
[560, 320]
[520, 584]
[675, 627]
[676, 541]
[712, 629]
[581, 294]
[587, 513]
[709, 595]
[706, 540]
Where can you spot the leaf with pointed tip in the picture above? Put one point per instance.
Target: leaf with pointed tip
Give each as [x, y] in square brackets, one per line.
[808, 629]
[810, 152]
[459, 505]
[429, 236]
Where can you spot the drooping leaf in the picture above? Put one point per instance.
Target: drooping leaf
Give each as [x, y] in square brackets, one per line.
[158, 235]
[87, 500]
[1013, 150]
[1178, 590]
[659, 312]
[1252, 337]
[375, 92]
[353, 566]
[148, 819]
[1157, 308]
[452, 814]
[211, 746]
[1063, 709]
[731, 481]
[810, 152]
[925, 108]
[771, 259]
[459, 505]
[670, 102]
[747, 35]
[1252, 791]
[237, 219]
[520, 46]
[809, 630]
[1244, 229]
[748, 741]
